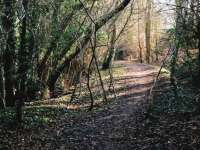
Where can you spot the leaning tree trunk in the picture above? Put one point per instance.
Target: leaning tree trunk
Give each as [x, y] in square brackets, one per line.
[56, 35]
[111, 51]
[101, 22]
[8, 23]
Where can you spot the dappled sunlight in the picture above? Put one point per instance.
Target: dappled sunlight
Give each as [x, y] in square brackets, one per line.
[99, 75]
[129, 84]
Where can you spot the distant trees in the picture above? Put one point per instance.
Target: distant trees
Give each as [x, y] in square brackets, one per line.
[147, 30]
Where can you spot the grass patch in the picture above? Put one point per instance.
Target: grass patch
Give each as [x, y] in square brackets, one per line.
[116, 70]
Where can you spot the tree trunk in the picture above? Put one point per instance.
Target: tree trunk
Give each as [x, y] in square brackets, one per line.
[23, 52]
[173, 70]
[148, 31]
[199, 55]
[178, 28]
[139, 40]
[2, 88]
[45, 93]
[111, 51]
[198, 36]
[8, 22]
[2, 49]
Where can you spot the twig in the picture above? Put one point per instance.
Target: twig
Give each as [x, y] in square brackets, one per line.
[112, 83]
[93, 45]
[96, 63]
[88, 85]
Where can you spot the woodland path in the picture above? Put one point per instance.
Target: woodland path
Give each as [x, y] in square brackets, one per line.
[122, 124]
[116, 126]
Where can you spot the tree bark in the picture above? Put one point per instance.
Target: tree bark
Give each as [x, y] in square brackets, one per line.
[23, 51]
[2, 49]
[2, 88]
[176, 48]
[148, 31]
[8, 24]
[139, 39]
[111, 50]
[198, 36]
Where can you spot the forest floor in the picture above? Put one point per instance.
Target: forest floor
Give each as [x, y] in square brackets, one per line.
[121, 124]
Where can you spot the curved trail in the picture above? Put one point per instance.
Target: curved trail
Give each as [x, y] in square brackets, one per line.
[114, 127]
[122, 124]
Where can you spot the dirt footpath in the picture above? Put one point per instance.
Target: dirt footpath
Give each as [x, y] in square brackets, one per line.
[114, 127]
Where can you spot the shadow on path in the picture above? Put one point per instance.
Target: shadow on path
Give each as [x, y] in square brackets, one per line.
[115, 127]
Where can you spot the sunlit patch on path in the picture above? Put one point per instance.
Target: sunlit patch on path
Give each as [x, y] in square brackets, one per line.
[109, 128]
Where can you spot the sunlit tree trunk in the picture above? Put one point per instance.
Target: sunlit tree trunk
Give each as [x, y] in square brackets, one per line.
[139, 39]
[148, 30]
